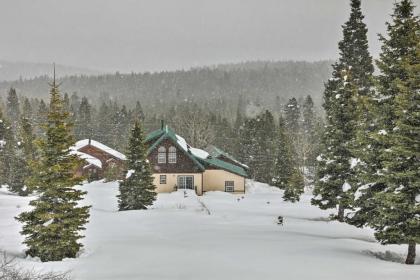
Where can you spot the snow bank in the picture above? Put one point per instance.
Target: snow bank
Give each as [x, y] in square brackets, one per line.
[253, 187]
[239, 239]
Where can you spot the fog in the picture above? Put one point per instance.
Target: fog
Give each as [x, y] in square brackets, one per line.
[139, 35]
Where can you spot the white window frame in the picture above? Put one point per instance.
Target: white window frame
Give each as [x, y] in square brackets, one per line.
[162, 179]
[161, 155]
[172, 155]
[229, 186]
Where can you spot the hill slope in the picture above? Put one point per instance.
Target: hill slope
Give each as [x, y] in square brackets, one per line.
[266, 83]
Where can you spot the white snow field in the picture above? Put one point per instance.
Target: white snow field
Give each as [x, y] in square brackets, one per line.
[239, 239]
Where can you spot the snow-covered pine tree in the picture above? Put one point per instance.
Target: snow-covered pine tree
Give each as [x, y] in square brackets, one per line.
[352, 76]
[286, 171]
[137, 190]
[389, 201]
[53, 227]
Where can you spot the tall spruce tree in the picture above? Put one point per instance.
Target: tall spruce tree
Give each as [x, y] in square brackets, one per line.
[286, 171]
[83, 126]
[13, 108]
[53, 227]
[351, 78]
[7, 150]
[387, 196]
[309, 143]
[137, 190]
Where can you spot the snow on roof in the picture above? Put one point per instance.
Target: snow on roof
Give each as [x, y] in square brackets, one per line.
[199, 153]
[85, 142]
[181, 141]
[90, 159]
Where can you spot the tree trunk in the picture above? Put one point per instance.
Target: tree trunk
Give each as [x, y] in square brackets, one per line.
[411, 256]
[340, 215]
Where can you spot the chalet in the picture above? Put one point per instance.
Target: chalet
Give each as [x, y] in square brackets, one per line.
[176, 165]
[98, 159]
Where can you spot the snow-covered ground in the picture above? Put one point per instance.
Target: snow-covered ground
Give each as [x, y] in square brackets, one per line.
[216, 236]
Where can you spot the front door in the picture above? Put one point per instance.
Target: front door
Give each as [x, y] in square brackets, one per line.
[186, 182]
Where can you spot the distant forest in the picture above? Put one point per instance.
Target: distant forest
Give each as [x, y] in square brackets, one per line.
[218, 88]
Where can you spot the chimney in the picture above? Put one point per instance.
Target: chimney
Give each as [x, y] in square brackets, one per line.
[89, 141]
[161, 124]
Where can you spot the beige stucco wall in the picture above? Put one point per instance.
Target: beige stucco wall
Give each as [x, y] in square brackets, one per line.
[214, 180]
[172, 179]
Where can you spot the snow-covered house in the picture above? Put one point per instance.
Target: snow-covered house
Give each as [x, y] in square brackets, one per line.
[98, 159]
[177, 165]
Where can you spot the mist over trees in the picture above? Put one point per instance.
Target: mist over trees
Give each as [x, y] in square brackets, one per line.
[266, 83]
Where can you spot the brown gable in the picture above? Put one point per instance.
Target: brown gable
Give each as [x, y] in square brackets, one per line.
[183, 164]
[103, 156]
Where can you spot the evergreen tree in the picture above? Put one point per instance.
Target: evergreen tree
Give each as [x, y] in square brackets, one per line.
[41, 117]
[295, 187]
[137, 190]
[257, 144]
[27, 109]
[53, 226]
[6, 149]
[13, 111]
[292, 118]
[387, 196]
[83, 127]
[352, 77]
[309, 143]
[286, 171]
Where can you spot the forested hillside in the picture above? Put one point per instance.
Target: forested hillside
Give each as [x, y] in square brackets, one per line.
[266, 83]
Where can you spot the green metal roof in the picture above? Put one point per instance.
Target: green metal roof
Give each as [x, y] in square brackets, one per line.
[212, 160]
[224, 165]
[216, 152]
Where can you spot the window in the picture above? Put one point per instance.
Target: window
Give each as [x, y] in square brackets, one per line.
[161, 155]
[229, 186]
[172, 155]
[163, 179]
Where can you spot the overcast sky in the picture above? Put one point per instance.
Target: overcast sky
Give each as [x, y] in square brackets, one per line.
[152, 35]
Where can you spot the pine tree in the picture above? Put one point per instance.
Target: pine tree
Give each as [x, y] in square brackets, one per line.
[286, 172]
[27, 109]
[137, 190]
[83, 127]
[352, 77]
[53, 226]
[295, 186]
[292, 118]
[309, 143]
[387, 197]
[6, 149]
[13, 110]
[257, 145]
[41, 117]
